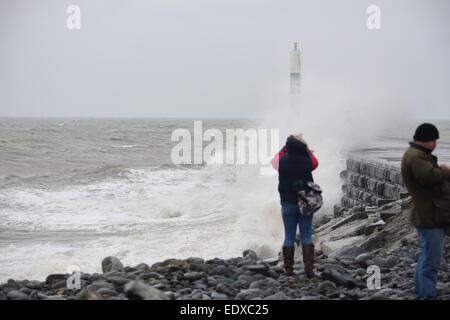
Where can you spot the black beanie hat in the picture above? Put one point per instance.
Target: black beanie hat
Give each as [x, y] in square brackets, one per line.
[426, 132]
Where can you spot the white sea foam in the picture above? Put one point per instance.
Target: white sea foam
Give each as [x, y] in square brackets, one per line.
[217, 211]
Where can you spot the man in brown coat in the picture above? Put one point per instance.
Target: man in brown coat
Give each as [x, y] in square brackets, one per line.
[430, 212]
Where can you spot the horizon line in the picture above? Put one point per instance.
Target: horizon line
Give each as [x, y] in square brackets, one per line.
[171, 117]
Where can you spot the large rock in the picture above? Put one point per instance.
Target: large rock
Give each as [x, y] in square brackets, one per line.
[364, 259]
[338, 211]
[368, 230]
[211, 281]
[151, 275]
[142, 267]
[331, 266]
[222, 288]
[342, 280]
[119, 281]
[382, 202]
[219, 296]
[276, 296]
[107, 292]
[36, 285]
[90, 293]
[406, 202]
[196, 260]
[193, 275]
[250, 294]
[326, 286]
[390, 210]
[17, 295]
[59, 285]
[112, 264]
[356, 213]
[387, 263]
[393, 211]
[375, 241]
[197, 266]
[55, 278]
[264, 284]
[250, 255]
[347, 253]
[270, 261]
[246, 280]
[257, 268]
[138, 290]
[384, 294]
[7, 287]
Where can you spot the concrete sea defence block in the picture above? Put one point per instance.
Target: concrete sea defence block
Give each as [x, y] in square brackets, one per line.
[349, 202]
[371, 182]
[354, 165]
[328, 247]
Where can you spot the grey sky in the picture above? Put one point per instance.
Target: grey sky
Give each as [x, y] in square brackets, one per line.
[223, 58]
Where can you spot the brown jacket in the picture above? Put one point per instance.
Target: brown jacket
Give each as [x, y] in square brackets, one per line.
[424, 180]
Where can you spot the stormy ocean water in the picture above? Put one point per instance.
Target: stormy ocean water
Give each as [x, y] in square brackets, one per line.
[391, 144]
[73, 191]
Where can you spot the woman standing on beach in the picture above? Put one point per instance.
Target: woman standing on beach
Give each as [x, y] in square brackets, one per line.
[295, 163]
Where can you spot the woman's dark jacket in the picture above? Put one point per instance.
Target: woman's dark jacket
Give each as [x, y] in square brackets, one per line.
[295, 170]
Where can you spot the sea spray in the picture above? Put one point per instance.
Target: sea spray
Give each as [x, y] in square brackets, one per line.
[334, 117]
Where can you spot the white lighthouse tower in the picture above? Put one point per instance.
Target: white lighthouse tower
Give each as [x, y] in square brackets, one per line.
[295, 71]
[295, 104]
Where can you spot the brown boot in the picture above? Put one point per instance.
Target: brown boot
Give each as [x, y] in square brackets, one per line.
[308, 259]
[288, 255]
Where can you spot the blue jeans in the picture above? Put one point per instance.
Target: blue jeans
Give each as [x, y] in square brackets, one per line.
[291, 218]
[431, 244]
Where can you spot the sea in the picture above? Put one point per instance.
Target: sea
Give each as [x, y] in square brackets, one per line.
[75, 190]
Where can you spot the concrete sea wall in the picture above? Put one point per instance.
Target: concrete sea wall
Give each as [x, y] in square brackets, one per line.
[373, 195]
[369, 183]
